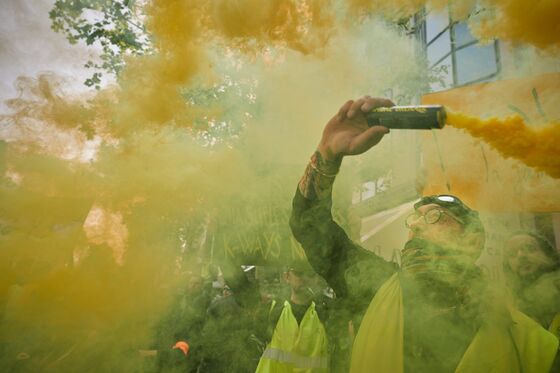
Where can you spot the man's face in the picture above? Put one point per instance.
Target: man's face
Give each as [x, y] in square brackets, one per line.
[299, 281]
[524, 256]
[446, 231]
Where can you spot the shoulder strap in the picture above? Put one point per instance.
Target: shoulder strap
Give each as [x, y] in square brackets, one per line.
[274, 312]
[272, 304]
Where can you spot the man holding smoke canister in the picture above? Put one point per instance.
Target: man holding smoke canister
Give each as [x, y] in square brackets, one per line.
[431, 315]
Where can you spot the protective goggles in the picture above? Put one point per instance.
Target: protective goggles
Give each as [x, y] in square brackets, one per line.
[431, 216]
[451, 203]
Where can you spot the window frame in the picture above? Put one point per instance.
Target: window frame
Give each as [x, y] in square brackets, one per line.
[454, 48]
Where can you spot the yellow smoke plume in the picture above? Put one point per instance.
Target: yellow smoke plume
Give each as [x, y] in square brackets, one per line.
[513, 138]
[304, 26]
[532, 22]
[150, 85]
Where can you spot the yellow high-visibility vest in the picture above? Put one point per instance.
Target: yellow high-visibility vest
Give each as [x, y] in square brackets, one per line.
[522, 346]
[296, 348]
[554, 327]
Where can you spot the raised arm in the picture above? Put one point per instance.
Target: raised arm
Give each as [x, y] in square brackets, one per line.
[350, 270]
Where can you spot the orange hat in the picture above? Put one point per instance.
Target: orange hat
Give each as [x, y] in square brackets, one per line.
[183, 346]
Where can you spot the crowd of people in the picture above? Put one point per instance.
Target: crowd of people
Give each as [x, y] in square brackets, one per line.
[349, 310]
[228, 322]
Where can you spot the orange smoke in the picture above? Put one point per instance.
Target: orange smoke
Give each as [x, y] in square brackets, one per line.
[304, 26]
[533, 22]
[512, 138]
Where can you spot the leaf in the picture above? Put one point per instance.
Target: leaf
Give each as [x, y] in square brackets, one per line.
[113, 31]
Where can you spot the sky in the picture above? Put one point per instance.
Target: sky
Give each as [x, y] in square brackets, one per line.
[28, 46]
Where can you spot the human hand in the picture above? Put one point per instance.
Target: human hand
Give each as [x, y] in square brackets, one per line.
[348, 133]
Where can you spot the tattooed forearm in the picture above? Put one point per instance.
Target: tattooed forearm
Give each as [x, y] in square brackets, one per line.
[318, 178]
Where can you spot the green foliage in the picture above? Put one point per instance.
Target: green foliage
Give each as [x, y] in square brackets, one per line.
[116, 27]
[237, 103]
[113, 25]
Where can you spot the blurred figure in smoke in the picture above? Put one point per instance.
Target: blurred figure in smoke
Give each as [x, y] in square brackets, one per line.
[532, 269]
[184, 323]
[234, 327]
[299, 340]
[212, 326]
[431, 315]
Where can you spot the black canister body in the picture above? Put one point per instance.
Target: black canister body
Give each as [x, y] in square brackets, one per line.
[421, 117]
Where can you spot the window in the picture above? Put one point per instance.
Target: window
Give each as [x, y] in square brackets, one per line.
[455, 57]
[439, 49]
[475, 63]
[462, 34]
[369, 189]
[436, 22]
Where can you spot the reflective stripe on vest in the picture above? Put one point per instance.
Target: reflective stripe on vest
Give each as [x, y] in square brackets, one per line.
[302, 362]
[278, 355]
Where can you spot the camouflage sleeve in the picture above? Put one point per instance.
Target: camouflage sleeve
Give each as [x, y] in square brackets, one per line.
[353, 272]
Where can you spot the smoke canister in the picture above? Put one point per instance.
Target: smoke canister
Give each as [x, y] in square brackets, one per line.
[421, 117]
